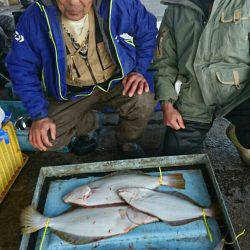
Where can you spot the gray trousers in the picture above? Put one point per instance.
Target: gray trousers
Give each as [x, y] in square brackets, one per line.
[76, 118]
[190, 140]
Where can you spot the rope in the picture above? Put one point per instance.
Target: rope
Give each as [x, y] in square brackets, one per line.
[160, 177]
[44, 233]
[206, 225]
[236, 238]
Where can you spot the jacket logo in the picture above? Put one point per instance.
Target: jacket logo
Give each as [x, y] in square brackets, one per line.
[126, 36]
[19, 37]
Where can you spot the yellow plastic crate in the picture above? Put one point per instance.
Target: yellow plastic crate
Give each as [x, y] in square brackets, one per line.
[11, 160]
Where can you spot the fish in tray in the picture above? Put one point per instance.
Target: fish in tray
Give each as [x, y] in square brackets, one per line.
[85, 225]
[173, 208]
[104, 190]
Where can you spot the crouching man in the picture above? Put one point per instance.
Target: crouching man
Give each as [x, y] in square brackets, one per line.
[72, 56]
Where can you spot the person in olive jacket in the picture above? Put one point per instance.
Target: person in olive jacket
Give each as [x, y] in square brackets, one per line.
[202, 67]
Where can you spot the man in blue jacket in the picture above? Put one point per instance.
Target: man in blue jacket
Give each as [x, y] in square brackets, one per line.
[72, 56]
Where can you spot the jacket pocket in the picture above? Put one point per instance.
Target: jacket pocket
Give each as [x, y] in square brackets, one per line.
[232, 76]
[128, 46]
[104, 56]
[230, 34]
[227, 82]
[127, 54]
[235, 16]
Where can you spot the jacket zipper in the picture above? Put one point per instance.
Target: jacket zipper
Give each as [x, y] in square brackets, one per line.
[116, 50]
[51, 36]
[55, 48]
[43, 82]
[90, 69]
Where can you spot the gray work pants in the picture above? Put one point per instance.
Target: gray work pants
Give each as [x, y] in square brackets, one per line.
[76, 118]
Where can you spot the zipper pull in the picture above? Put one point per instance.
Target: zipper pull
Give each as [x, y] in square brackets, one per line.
[87, 61]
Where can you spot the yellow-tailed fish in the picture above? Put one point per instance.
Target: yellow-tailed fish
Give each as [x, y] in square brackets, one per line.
[85, 225]
[103, 190]
[173, 208]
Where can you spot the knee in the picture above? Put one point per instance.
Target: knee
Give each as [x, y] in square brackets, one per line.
[145, 102]
[140, 106]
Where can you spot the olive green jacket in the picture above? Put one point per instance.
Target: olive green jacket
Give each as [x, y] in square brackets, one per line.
[211, 57]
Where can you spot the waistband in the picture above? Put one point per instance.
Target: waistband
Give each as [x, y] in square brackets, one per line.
[73, 90]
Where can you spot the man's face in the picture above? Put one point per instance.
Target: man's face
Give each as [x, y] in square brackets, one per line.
[74, 9]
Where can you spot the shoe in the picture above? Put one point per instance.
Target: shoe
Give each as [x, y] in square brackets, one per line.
[84, 144]
[131, 150]
[244, 152]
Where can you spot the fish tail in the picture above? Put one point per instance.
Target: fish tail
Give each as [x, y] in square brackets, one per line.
[213, 211]
[31, 220]
[174, 180]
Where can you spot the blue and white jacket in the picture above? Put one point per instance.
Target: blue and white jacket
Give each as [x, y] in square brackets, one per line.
[37, 59]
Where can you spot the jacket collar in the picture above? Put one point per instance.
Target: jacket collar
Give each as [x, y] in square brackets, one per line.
[48, 2]
[187, 3]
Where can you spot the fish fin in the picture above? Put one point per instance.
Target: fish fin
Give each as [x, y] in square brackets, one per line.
[214, 211]
[117, 204]
[181, 222]
[123, 172]
[72, 207]
[31, 220]
[182, 196]
[174, 180]
[74, 239]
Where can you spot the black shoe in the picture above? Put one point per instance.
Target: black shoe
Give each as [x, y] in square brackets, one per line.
[84, 144]
[131, 150]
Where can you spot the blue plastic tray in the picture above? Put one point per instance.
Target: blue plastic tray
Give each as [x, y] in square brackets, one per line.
[201, 186]
[157, 235]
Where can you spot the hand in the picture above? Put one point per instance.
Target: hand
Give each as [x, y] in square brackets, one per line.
[172, 117]
[134, 82]
[38, 136]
